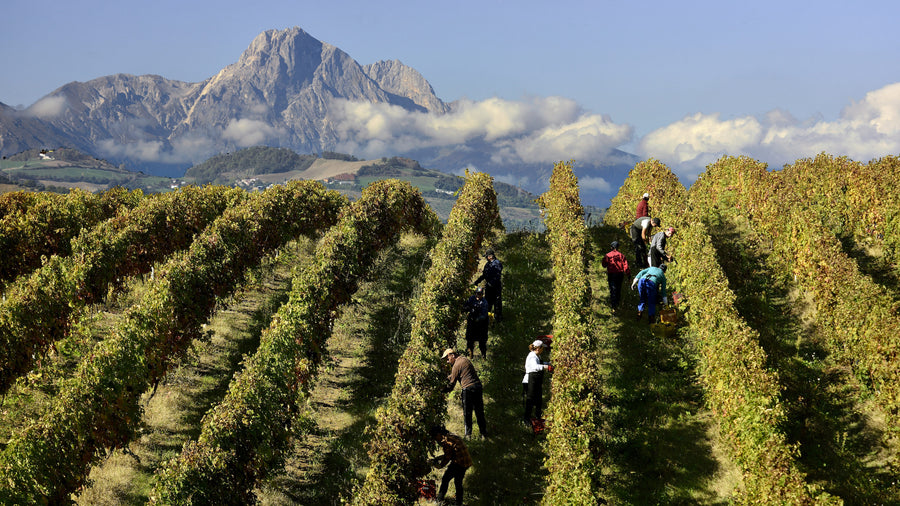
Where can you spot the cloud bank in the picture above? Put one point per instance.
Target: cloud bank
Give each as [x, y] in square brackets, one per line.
[866, 129]
[535, 130]
[543, 130]
[48, 108]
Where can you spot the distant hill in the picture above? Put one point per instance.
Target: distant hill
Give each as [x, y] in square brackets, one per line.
[259, 167]
[64, 168]
[244, 163]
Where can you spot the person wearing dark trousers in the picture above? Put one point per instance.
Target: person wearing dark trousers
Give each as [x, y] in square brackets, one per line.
[616, 269]
[462, 370]
[658, 251]
[493, 287]
[651, 284]
[477, 322]
[533, 381]
[456, 455]
[640, 235]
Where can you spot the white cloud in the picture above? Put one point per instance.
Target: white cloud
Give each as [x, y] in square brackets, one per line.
[536, 130]
[594, 183]
[589, 137]
[48, 107]
[140, 150]
[248, 132]
[700, 134]
[866, 129]
[185, 149]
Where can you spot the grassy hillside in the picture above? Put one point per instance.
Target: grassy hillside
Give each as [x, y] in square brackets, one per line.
[61, 169]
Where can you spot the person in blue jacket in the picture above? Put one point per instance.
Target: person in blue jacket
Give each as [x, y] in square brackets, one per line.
[493, 286]
[477, 323]
[651, 284]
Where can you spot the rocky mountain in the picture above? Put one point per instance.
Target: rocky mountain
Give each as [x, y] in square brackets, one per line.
[283, 91]
[278, 93]
[395, 77]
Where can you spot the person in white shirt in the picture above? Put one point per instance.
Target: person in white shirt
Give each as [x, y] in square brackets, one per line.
[532, 383]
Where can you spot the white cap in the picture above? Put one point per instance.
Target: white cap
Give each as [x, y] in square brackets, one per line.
[646, 195]
[538, 343]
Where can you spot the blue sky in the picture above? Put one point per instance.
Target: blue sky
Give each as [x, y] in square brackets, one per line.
[685, 81]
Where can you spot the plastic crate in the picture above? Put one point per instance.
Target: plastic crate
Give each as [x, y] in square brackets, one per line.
[539, 425]
[426, 489]
[668, 315]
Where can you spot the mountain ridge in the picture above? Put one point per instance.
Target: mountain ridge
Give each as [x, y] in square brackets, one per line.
[282, 92]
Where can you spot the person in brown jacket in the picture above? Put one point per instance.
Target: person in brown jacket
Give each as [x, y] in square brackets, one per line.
[457, 455]
[462, 370]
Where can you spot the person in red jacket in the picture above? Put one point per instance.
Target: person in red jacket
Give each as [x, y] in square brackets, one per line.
[616, 269]
[643, 207]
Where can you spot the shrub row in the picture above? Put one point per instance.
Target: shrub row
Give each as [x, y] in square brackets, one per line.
[400, 443]
[37, 309]
[857, 317]
[744, 396]
[741, 392]
[667, 195]
[99, 408]
[851, 199]
[245, 437]
[577, 447]
[37, 225]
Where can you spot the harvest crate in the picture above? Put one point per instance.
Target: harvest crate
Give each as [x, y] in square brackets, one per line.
[426, 489]
[668, 315]
[539, 425]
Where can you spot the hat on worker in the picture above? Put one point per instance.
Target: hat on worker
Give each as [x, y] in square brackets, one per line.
[614, 244]
[489, 253]
[448, 351]
[537, 343]
[646, 195]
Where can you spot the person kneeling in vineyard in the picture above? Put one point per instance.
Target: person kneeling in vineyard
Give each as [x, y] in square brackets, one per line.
[651, 284]
[457, 455]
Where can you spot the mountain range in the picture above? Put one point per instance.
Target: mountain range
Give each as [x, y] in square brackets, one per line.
[287, 89]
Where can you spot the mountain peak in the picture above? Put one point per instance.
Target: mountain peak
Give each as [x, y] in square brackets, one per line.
[395, 77]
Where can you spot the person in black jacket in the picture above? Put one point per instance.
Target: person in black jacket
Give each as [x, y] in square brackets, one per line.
[477, 323]
[493, 289]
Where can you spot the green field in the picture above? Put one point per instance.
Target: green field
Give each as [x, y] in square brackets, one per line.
[423, 183]
[71, 174]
